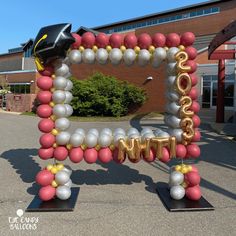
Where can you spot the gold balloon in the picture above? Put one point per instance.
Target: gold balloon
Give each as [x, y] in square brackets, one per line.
[81, 48]
[98, 147]
[95, 48]
[59, 166]
[185, 102]
[69, 146]
[49, 167]
[53, 117]
[188, 131]
[151, 49]
[178, 83]
[54, 170]
[181, 47]
[55, 132]
[137, 49]
[182, 57]
[51, 104]
[122, 48]
[54, 184]
[112, 147]
[108, 48]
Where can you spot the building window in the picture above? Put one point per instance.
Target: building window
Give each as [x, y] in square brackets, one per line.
[19, 88]
[27, 53]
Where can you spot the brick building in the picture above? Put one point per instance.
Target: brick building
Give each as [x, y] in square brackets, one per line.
[205, 20]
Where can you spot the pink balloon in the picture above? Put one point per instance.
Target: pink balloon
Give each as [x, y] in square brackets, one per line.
[197, 136]
[193, 93]
[158, 40]
[90, 155]
[172, 40]
[196, 121]
[194, 169]
[115, 157]
[193, 65]
[76, 155]
[105, 155]
[192, 52]
[44, 97]
[193, 193]
[151, 157]
[44, 111]
[60, 153]
[187, 38]
[48, 71]
[102, 40]
[130, 40]
[144, 41]
[47, 193]
[88, 40]
[44, 178]
[44, 82]
[193, 150]
[77, 42]
[195, 107]
[46, 153]
[194, 79]
[180, 151]
[47, 140]
[165, 155]
[192, 178]
[116, 40]
[46, 125]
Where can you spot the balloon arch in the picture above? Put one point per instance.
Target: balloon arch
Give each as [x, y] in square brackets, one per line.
[55, 49]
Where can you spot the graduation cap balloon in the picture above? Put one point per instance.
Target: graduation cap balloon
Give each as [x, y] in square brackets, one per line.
[51, 42]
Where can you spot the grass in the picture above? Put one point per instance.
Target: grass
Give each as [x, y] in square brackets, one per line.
[150, 115]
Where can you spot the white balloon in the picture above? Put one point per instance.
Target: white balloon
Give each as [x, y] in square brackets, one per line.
[63, 138]
[63, 192]
[68, 96]
[170, 81]
[59, 110]
[176, 178]
[171, 54]
[172, 96]
[144, 57]
[104, 140]
[69, 110]
[119, 131]
[76, 139]
[68, 184]
[163, 134]
[106, 131]
[159, 56]
[146, 130]
[62, 177]
[171, 68]
[66, 61]
[80, 131]
[102, 56]
[172, 108]
[117, 138]
[134, 136]
[62, 124]
[177, 192]
[147, 136]
[115, 56]
[132, 131]
[61, 69]
[94, 131]
[176, 133]
[88, 56]
[157, 131]
[91, 140]
[74, 56]
[59, 83]
[69, 85]
[129, 56]
[173, 122]
[67, 169]
[58, 96]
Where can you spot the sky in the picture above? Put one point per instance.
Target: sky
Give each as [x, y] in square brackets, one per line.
[21, 20]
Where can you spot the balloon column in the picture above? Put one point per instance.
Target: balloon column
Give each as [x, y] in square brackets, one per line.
[55, 49]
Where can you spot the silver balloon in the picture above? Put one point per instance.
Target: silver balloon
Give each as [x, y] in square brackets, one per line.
[67, 169]
[59, 111]
[88, 56]
[68, 97]
[58, 96]
[91, 140]
[66, 61]
[173, 122]
[94, 131]
[69, 110]
[68, 184]
[80, 131]
[119, 131]
[106, 131]
[157, 131]
[60, 83]
[176, 133]
[62, 177]
[177, 192]
[74, 56]
[61, 70]
[176, 178]
[134, 136]
[62, 124]
[102, 56]
[170, 81]
[63, 138]
[117, 138]
[172, 108]
[146, 130]
[172, 96]
[171, 68]
[159, 56]
[63, 192]
[163, 134]
[76, 139]
[144, 57]
[171, 54]
[115, 56]
[147, 136]
[129, 56]
[104, 140]
[69, 85]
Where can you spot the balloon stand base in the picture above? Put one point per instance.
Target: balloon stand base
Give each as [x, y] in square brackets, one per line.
[37, 205]
[184, 204]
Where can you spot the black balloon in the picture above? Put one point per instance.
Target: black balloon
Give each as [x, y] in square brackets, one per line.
[52, 42]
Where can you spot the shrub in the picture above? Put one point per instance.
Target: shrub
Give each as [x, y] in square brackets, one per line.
[102, 95]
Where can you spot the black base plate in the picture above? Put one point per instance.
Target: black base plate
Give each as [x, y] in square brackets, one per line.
[56, 204]
[184, 204]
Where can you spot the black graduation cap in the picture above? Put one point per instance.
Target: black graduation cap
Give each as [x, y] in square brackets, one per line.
[52, 42]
